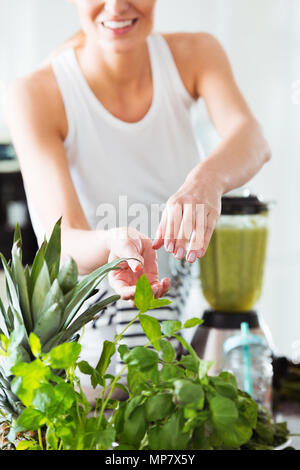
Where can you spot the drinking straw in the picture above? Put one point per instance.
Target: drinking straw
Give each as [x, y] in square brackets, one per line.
[247, 358]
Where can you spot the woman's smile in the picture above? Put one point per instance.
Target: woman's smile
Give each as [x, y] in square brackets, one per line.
[117, 26]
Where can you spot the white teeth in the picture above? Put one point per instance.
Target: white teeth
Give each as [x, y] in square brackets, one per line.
[117, 24]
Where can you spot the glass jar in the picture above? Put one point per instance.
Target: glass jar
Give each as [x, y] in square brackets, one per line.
[261, 369]
[231, 271]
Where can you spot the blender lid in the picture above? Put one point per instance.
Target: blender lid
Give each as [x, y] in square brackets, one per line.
[243, 205]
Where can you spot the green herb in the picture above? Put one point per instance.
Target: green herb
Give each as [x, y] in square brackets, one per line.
[172, 404]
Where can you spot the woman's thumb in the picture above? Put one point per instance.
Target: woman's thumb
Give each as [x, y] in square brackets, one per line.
[136, 261]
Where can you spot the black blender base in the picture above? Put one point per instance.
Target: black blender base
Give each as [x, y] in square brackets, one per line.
[230, 320]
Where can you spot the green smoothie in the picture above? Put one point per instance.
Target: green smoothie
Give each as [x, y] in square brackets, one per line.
[231, 272]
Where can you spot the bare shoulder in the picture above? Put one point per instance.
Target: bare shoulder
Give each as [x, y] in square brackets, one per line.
[193, 54]
[37, 98]
[188, 46]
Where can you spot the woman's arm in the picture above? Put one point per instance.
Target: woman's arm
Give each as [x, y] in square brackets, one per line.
[243, 150]
[38, 127]
[242, 153]
[36, 121]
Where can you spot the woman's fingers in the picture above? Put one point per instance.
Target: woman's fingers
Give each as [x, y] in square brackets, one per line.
[196, 245]
[211, 222]
[160, 233]
[184, 233]
[130, 249]
[174, 221]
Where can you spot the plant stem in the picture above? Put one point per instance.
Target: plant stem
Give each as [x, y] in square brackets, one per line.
[112, 387]
[126, 328]
[40, 438]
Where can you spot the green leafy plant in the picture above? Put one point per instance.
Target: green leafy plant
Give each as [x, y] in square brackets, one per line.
[172, 403]
[43, 300]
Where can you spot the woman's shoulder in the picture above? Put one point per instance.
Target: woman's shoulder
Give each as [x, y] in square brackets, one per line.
[194, 54]
[188, 46]
[35, 94]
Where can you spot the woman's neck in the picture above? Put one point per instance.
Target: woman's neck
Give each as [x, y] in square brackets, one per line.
[121, 71]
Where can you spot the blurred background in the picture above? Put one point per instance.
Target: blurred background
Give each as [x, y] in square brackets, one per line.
[262, 39]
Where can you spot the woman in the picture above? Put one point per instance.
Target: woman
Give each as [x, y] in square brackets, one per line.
[109, 116]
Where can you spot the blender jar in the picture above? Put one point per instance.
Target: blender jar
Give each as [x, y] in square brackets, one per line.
[231, 271]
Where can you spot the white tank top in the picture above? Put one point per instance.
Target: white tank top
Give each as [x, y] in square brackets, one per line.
[144, 162]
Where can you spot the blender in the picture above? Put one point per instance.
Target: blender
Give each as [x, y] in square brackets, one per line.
[231, 277]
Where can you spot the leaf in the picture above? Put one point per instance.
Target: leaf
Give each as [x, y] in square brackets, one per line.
[28, 379]
[137, 381]
[143, 294]
[108, 350]
[237, 434]
[83, 319]
[54, 295]
[65, 397]
[86, 287]
[171, 372]
[159, 406]
[44, 400]
[35, 345]
[169, 435]
[123, 350]
[204, 367]
[190, 363]
[170, 327]
[41, 288]
[6, 320]
[17, 235]
[24, 445]
[158, 303]
[68, 275]
[11, 288]
[193, 322]
[248, 409]
[85, 368]
[37, 265]
[132, 405]
[224, 388]
[20, 278]
[48, 323]
[63, 356]
[168, 352]
[151, 329]
[29, 420]
[53, 251]
[106, 437]
[141, 358]
[135, 427]
[189, 392]
[51, 438]
[224, 412]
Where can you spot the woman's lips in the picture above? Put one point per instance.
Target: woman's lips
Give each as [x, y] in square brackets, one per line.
[119, 27]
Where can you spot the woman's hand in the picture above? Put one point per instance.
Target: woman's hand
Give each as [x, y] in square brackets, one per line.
[190, 216]
[129, 243]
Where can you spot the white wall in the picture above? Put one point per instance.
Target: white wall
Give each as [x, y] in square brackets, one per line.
[262, 38]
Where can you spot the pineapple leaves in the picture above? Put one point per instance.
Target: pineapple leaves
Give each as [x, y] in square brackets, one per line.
[48, 323]
[11, 288]
[84, 289]
[21, 281]
[53, 251]
[41, 288]
[36, 267]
